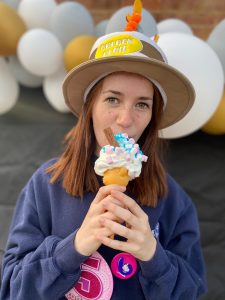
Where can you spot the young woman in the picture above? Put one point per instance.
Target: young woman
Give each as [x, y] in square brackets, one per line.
[60, 243]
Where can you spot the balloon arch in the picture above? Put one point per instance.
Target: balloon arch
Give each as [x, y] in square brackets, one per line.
[42, 40]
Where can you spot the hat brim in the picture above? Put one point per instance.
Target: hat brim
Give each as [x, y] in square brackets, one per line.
[178, 89]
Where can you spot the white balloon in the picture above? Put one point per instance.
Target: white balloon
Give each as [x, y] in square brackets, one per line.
[100, 28]
[173, 25]
[40, 52]
[22, 75]
[71, 19]
[217, 41]
[36, 13]
[117, 22]
[197, 60]
[9, 88]
[52, 87]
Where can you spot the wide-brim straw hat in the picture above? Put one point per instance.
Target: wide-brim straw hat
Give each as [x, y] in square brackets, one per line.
[131, 52]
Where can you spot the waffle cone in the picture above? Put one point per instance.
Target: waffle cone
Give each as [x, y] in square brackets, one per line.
[117, 176]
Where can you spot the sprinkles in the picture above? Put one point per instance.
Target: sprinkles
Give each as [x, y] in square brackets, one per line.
[128, 149]
[123, 153]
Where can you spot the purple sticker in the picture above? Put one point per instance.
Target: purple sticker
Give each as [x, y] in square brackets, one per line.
[124, 265]
[95, 282]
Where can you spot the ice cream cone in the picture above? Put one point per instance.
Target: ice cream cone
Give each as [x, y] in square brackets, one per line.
[117, 176]
[120, 161]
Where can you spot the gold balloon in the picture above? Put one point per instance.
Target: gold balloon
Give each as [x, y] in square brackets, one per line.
[216, 125]
[78, 50]
[11, 29]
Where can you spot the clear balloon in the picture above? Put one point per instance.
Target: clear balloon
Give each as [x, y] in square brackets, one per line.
[40, 52]
[24, 77]
[69, 20]
[36, 13]
[217, 41]
[78, 50]
[12, 27]
[197, 60]
[9, 88]
[173, 25]
[52, 87]
[117, 22]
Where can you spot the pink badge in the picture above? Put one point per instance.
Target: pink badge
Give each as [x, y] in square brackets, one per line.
[96, 281]
[124, 265]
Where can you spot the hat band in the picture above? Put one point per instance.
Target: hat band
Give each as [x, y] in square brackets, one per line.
[126, 44]
[146, 51]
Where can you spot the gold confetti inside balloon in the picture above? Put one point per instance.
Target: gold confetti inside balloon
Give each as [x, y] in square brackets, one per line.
[12, 28]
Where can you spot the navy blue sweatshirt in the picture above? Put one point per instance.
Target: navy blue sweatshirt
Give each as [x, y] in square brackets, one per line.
[42, 263]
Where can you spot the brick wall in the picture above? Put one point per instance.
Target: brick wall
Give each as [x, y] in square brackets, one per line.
[201, 15]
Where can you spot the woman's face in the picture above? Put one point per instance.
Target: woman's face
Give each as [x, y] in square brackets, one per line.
[124, 103]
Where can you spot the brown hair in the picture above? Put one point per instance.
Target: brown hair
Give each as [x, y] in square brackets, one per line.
[75, 167]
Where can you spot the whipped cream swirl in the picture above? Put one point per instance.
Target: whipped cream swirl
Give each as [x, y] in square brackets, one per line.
[127, 155]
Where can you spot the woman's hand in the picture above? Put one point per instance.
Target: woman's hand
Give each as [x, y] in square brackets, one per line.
[86, 241]
[140, 240]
